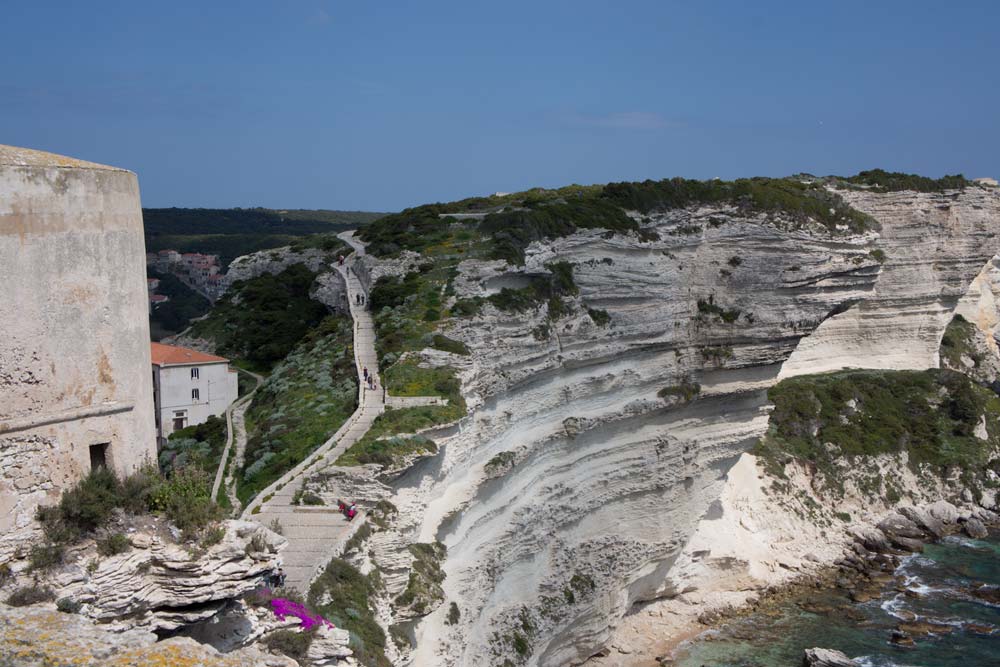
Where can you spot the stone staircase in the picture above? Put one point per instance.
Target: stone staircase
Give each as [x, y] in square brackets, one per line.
[317, 533]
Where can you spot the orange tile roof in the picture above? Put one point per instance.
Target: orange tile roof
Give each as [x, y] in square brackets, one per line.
[171, 355]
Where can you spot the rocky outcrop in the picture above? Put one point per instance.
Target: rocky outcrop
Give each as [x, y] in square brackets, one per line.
[608, 480]
[33, 636]
[160, 585]
[825, 657]
[277, 260]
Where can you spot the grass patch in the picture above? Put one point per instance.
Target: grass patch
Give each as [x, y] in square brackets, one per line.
[408, 379]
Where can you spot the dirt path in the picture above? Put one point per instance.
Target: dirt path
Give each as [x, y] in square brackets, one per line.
[234, 427]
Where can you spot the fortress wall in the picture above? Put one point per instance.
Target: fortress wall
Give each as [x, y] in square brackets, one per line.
[74, 352]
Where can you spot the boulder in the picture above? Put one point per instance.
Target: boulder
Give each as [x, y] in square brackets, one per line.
[975, 529]
[943, 511]
[871, 539]
[825, 657]
[898, 525]
[907, 543]
[329, 647]
[925, 520]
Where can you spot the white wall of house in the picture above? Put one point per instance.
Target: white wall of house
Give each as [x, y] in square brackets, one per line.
[177, 404]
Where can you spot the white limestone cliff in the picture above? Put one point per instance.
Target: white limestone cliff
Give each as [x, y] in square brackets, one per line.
[604, 482]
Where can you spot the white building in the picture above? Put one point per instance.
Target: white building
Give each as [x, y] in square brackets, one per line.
[189, 387]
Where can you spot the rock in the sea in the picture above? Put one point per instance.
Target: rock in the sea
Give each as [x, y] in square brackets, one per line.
[943, 511]
[975, 529]
[925, 520]
[871, 538]
[825, 657]
[897, 525]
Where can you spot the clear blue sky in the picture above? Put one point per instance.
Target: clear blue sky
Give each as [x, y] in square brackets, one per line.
[378, 105]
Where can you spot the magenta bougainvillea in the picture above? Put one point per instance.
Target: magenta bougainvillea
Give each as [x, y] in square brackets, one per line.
[283, 608]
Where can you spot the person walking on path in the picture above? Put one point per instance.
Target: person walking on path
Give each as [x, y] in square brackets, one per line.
[366, 373]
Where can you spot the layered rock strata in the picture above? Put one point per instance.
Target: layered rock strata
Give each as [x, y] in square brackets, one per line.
[603, 481]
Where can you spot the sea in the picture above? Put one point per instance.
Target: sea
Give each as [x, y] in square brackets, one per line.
[936, 585]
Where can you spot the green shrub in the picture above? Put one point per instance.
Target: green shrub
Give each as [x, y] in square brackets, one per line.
[467, 307]
[449, 345]
[45, 556]
[26, 595]
[600, 317]
[113, 544]
[293, 643]
[185, 498]
[453, 614]
[213, 536]
[88, 505]
[686, 390]
[68, 606]
[710, 308]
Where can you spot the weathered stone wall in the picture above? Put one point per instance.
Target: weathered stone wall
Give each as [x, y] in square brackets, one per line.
[74, 355]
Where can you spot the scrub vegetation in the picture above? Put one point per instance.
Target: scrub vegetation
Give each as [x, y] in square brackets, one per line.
[261, 320]
[302, 403]
[344, 597]
[880, 180]
[829, 421]
[957, 342]
[200, 445]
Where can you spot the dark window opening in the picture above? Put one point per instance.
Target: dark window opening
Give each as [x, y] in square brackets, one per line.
[194, 394]
[99, 455]
[194, 373]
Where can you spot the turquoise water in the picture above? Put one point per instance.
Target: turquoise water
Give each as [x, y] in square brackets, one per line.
[937, 580]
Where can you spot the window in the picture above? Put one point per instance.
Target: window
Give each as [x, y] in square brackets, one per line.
[99, 455]
[194, 373]
[194, 395]
[180, 417]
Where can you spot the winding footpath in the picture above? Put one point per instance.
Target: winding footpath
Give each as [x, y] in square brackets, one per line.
[235, 430]
[316, 533]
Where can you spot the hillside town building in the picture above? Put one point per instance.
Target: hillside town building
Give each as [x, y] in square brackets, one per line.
[200, 272]
[75, 389]
[189, 387]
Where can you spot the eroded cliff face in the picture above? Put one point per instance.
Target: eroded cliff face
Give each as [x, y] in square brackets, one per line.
[568, 492]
